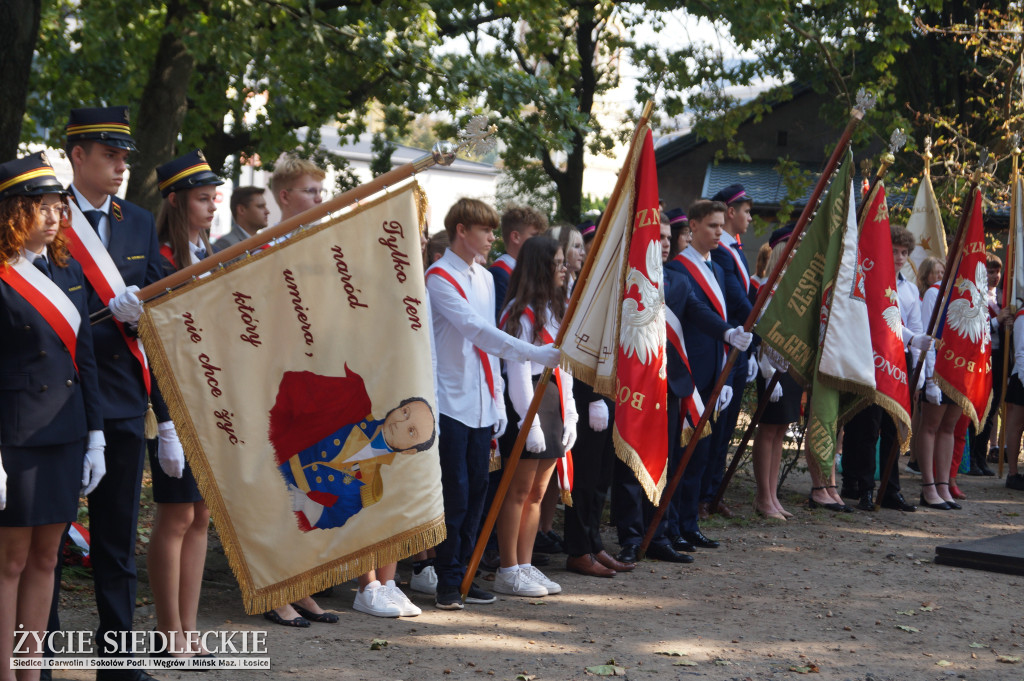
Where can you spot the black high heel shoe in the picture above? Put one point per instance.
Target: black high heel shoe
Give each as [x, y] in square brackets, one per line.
[837, 508]
[941, 506]
[952, 504]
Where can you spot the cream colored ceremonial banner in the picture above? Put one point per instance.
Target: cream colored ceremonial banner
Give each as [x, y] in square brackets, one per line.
[1017, 225]
[301, 386]
[925, 223]
[591, 342]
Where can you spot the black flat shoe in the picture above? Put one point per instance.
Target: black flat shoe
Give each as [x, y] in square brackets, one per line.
[323, 617]
[300, 621]
[941, 506]
[952, 504]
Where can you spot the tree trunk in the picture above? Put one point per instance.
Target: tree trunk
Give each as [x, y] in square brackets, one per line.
[19, 28]
[162, 110]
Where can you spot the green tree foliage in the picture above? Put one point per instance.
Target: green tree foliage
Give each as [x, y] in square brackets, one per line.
[230, 76]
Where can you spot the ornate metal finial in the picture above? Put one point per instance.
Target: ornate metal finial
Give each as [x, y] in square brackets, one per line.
[443, 152]
[865, 102]
[1015, 143]
[928, 148]
[983, 158]
[897, 140]
[478, 136]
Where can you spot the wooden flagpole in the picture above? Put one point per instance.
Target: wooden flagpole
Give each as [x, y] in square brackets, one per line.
[953, 258]
[856, 115]
[510, 464]
[1010, 269]
[443, 153]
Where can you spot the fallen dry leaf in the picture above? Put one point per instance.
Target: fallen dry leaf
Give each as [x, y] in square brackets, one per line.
[684, 663]
[671, 653]
[944, 663]
[606, 670]
[904, 627]
[978, 645]
[1008, 659]
[378, 644]
[805, 669]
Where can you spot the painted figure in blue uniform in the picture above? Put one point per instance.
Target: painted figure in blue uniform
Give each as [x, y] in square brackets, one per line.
[329, 447]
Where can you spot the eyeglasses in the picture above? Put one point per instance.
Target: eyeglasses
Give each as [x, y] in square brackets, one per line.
[560, 265]
[57, 210]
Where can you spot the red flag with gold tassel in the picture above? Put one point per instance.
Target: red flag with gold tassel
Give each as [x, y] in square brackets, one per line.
[963, 346]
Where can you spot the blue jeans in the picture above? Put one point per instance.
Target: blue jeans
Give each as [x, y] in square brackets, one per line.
[465, 454]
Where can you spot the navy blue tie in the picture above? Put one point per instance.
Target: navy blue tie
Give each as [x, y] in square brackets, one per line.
[94, 217]
[200, 253]
[43, 266]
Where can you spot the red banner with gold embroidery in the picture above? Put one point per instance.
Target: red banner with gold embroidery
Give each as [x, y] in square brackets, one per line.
[963, 346]
[875, 268]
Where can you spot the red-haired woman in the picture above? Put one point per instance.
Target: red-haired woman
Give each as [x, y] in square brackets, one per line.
[51, 428]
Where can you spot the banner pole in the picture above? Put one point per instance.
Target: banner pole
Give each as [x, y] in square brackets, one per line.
[510, 464]
[1009, 269]
[952, 263]
[762, 405]
[856, 115]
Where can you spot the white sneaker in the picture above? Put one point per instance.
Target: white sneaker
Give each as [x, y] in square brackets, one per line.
[408, 608]
[518, 583]
[375, 600]
[542, 579]
[425, 582]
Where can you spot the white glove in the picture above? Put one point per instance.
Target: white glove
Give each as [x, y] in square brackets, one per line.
[568, 434]
[301, 503]
[751, 368]
[3, 486]
[932, 393]
[921, 341]
[598, 415]
[535, 439]
[95, 465]
[126, 306]
[169, 452]
[776, 393]
[738, 338]
[548, 355]
[724, 398]
[499, 427]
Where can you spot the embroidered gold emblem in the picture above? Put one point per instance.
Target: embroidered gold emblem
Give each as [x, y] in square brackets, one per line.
[116, 210]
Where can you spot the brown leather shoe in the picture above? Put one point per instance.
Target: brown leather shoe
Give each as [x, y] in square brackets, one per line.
[703, 513]
[587, 565]
[605, 558]
[724, 510]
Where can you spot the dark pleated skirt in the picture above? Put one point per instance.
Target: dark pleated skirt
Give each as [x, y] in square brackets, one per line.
[168, 490]
[43, 484]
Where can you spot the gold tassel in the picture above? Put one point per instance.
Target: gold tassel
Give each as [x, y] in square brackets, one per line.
[495, 462]
[149, 431]
[566, 497]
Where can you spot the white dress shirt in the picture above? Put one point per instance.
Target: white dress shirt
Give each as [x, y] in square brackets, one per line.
[459, 324]
[103, 229]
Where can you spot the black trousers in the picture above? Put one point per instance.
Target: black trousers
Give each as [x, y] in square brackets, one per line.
[593, 457]
[113, 526]
[980, 442]
[630, 507]
[869, 426]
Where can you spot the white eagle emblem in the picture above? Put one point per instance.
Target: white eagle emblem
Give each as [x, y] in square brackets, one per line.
[642, 330]
[969, 316]
[891, 314]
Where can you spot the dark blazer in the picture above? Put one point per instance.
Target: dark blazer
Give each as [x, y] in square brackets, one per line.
[737, 299]
[135, 251]
[43, 400]
[705, 351]
[696, 318]
[501, 279]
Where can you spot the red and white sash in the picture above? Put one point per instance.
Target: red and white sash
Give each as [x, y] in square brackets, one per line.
[506, 263]
[484, 359]
[741, 266]
[705, 278]
[103, 276]
[47, 299]
[563, 467]
[690, 408]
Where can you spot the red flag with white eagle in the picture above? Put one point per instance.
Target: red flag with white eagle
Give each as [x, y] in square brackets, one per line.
[878, 272]
[963, 345]
[616, 339]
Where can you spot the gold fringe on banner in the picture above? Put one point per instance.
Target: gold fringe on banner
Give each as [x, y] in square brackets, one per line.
[495, 462]
[961, 399]
[629, 456]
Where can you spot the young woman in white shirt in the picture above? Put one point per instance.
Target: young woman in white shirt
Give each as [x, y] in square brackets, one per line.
[535, 309]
